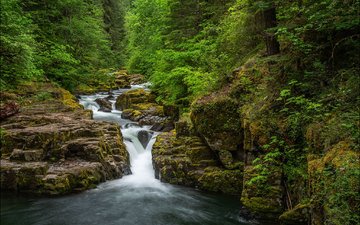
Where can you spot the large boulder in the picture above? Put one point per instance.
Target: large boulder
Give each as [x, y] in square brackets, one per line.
[187, 160]
[122, 79]
[216, 119]
[131, 97]
[139, 105]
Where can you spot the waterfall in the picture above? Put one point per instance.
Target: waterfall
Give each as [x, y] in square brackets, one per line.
[143, 174]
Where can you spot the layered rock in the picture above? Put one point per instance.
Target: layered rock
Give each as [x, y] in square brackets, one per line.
[187, 160]
[54, 147]
[122, 79]
[139, 105]
[137, 79]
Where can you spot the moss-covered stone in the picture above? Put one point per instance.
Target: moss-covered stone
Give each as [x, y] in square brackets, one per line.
[122, 79]
[186, 160]
[299, 215]
[333, 180]
[216, 118]
[263, 194]
[135, 96]
[53, 147]
[223, 181]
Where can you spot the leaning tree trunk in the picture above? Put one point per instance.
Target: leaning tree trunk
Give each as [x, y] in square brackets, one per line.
[269, 17]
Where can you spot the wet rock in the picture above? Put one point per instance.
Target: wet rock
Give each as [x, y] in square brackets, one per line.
[140, 106]
[105, 104]
[110, 97]
[144, 137]
[164, 126]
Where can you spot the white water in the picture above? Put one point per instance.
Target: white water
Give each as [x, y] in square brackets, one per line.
[140, 157]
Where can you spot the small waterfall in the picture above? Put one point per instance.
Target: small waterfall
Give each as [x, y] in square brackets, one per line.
[137, 139]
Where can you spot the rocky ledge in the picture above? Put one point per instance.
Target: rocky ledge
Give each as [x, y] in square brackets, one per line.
[181, 157]
[53, 147]
[139, 105]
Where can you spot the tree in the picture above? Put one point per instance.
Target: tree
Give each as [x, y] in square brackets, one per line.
[16, 44]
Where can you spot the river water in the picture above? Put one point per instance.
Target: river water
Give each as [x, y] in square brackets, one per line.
[136, 199]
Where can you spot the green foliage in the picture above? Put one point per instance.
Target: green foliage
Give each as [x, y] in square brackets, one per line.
[42, 96]
[63, 40]
[16, 45]
[343, 185]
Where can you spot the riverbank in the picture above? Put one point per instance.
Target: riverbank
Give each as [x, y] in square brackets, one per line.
[53, 147]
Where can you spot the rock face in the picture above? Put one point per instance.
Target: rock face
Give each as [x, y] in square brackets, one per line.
[187, 160]
[122, 79]
[216, 119]
[52, 147]
[140, 106]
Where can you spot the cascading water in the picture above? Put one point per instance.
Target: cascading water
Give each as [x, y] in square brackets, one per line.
[140, 153]
[136, 199]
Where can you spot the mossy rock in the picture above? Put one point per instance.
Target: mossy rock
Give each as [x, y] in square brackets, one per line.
[217, 119]
[136, 96]
[84, 89]
[262, 205]
[187, 160]
[327, 175]
[299, 215]
[223, 181]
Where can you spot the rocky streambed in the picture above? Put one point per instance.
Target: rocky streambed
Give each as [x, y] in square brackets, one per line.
[53, 147]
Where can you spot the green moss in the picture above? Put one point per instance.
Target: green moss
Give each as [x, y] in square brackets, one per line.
[220, 180]
[216, 118]
[261, 205]
[298, 215]
[69, 100]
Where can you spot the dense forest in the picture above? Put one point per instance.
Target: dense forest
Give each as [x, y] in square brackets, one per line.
[278, 80]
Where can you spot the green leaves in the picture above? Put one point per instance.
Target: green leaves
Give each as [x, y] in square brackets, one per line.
[16, 44]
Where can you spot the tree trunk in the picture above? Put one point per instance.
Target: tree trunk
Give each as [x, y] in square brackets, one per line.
[272, 45]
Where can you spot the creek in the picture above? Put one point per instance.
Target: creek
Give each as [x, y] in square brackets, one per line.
[136, 199]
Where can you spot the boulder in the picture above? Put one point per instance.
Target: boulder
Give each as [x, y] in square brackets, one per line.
[137, 79]
[144, 137]
[216, 118]
[122, 79]
[135, 96]
[140, 106]
[105, 104]
[189, 161]
[299, 215]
